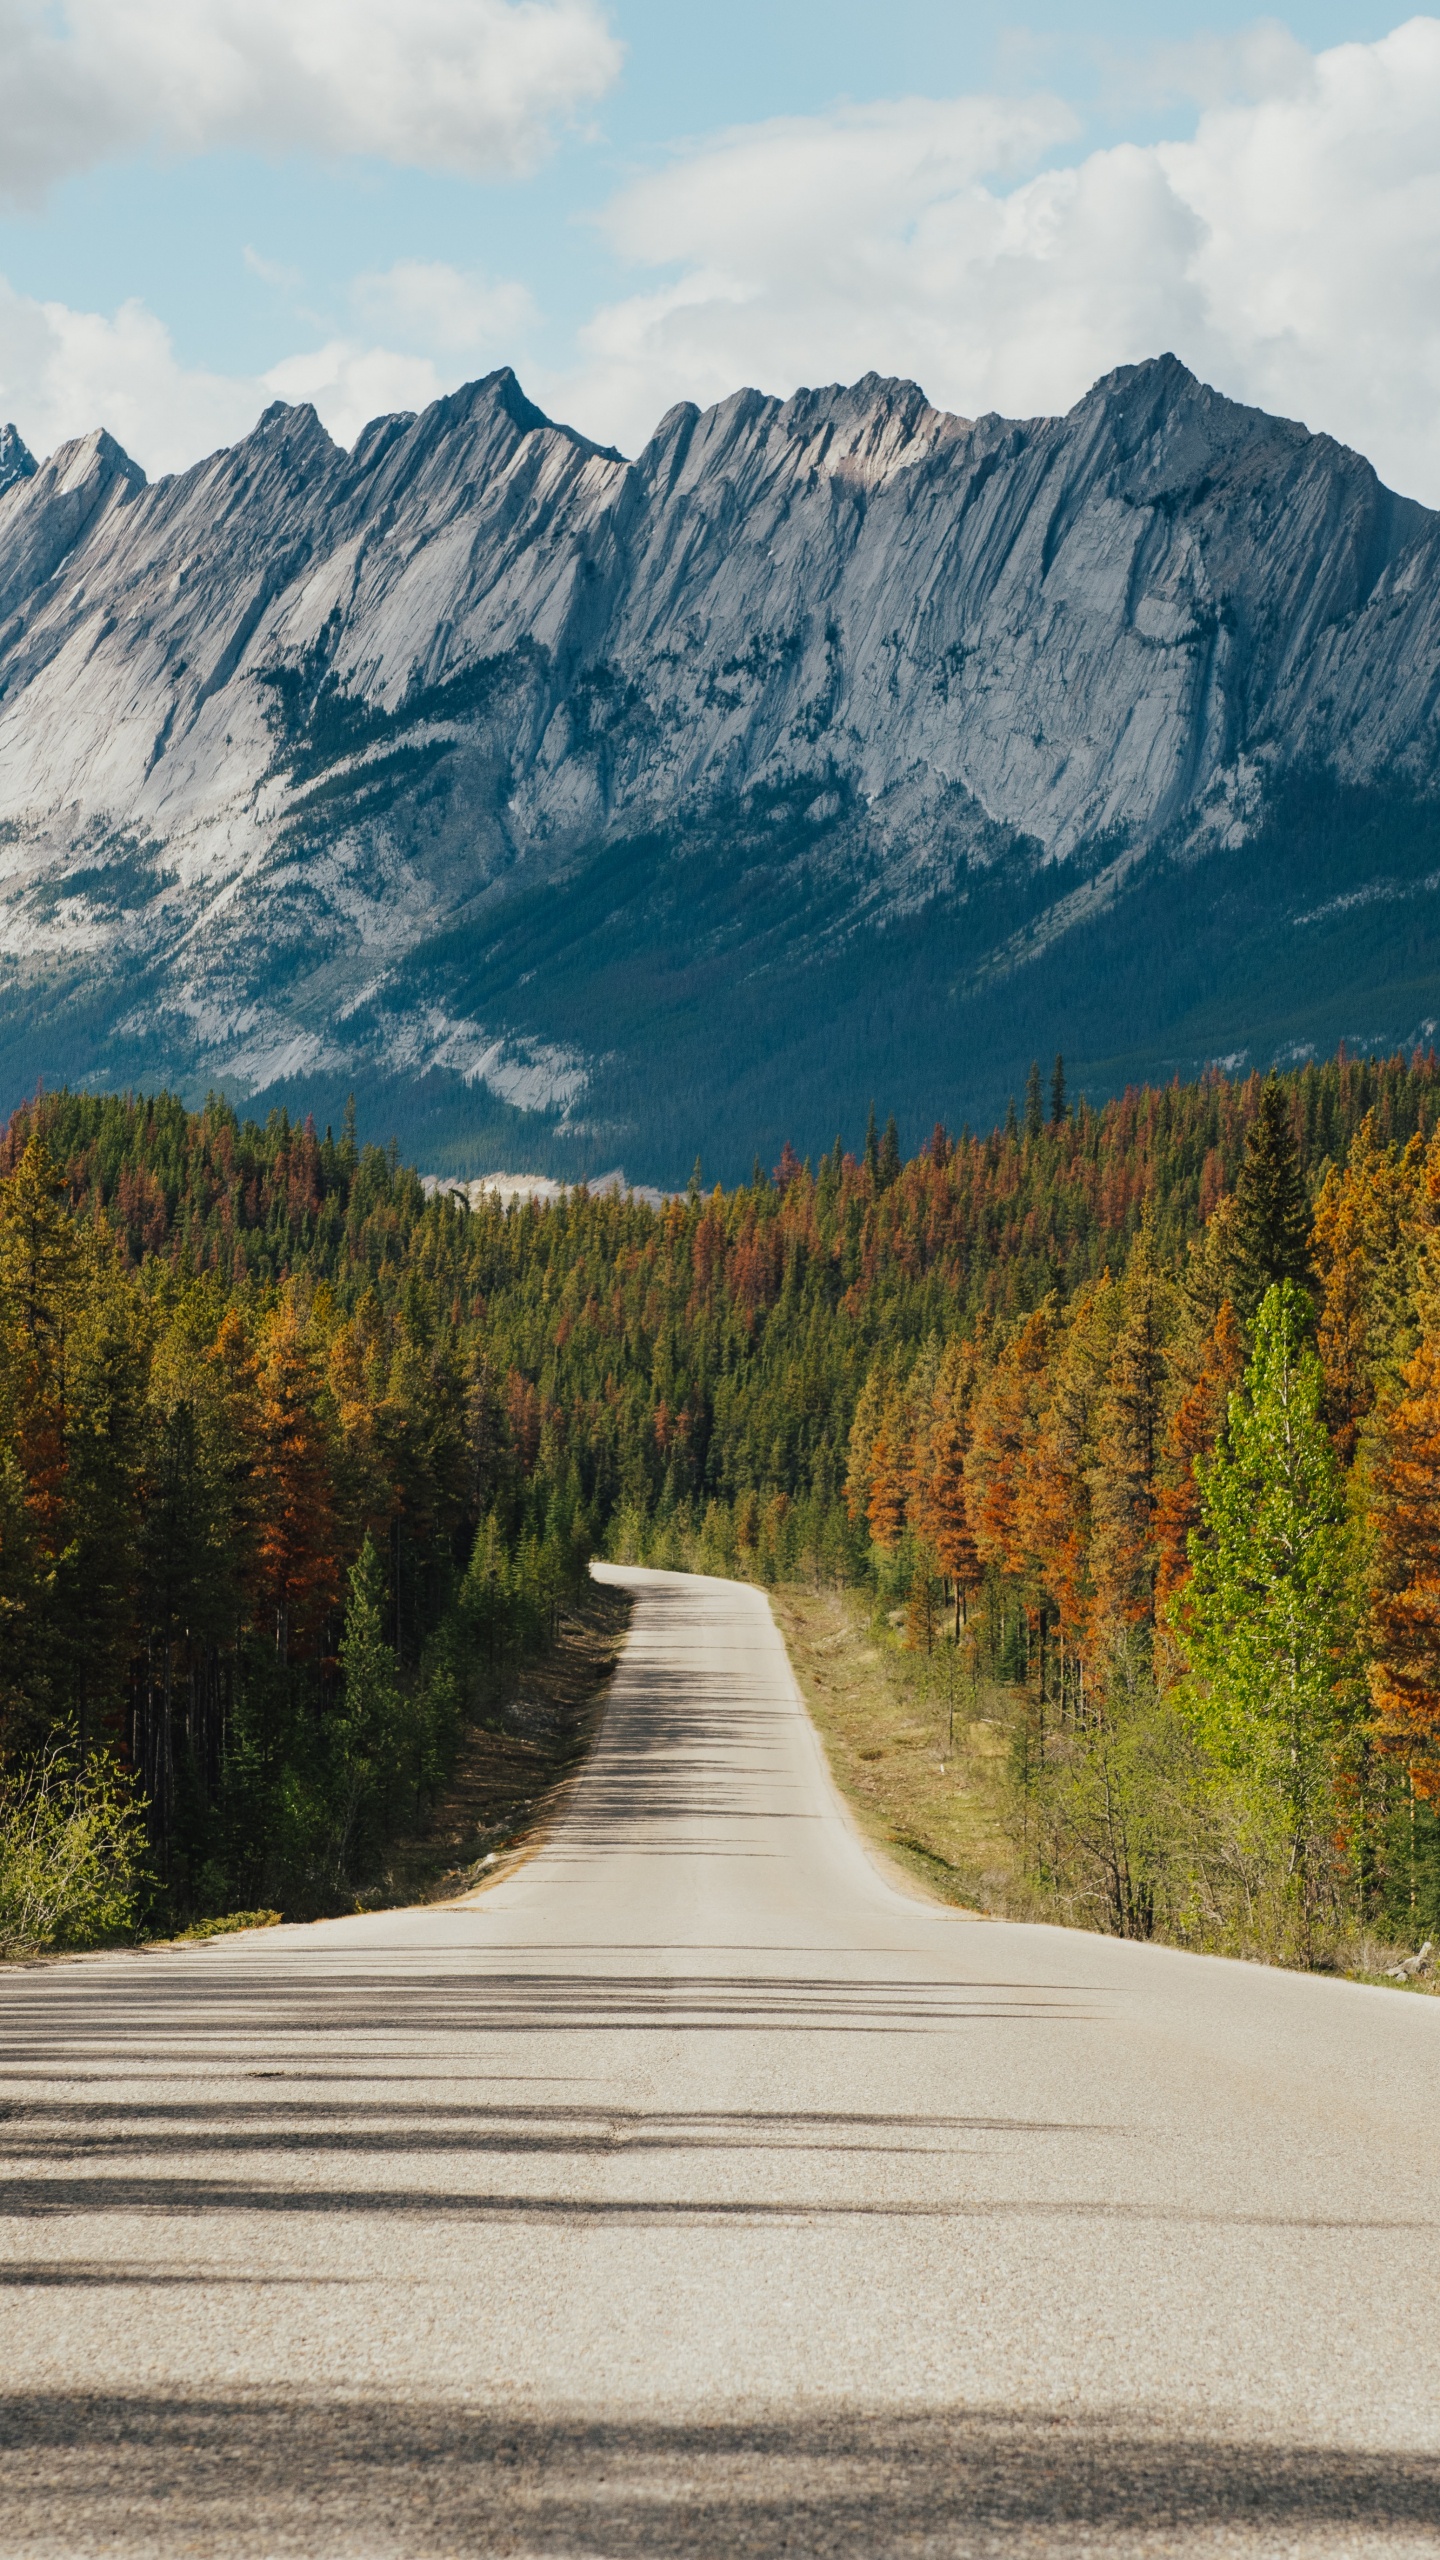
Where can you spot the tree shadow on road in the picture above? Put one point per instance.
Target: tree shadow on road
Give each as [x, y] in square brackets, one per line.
[132, 2475]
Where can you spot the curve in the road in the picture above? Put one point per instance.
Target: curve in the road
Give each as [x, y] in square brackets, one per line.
[695, 2189]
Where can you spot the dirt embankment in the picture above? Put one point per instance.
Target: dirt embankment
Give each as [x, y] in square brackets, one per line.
[512, 1765]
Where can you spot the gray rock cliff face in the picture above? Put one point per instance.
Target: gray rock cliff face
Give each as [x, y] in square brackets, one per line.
[276, 729]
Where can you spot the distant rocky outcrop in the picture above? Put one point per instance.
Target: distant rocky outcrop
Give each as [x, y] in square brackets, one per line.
[321, 767]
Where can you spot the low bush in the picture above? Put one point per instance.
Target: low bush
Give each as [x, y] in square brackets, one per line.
[72, 1855]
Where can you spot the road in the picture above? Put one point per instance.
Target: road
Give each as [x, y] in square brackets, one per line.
[698, 2191]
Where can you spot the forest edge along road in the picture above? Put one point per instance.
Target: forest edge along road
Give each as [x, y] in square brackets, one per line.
[697, 2189]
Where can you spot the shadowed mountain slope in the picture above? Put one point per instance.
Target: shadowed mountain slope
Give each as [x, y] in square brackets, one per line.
[833, 746]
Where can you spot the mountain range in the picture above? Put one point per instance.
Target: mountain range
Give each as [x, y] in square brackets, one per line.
[566, 808]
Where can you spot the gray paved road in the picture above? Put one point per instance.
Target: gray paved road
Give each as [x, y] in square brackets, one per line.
[695, 2191]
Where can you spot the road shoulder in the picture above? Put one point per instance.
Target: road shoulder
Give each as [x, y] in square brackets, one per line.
[920, 1794]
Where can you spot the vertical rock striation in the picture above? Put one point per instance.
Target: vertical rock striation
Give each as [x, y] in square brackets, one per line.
[317, 764]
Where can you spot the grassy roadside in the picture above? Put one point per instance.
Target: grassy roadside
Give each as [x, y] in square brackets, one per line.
[923, 1782]
[929, 1793]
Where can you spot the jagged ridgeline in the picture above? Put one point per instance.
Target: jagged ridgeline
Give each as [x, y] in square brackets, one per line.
[574, 810]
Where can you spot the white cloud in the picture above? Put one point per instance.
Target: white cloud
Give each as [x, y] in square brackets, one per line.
[350, 383]
[420, 330]
[1289, 251]
[283, 279]
[439, 308]
[63, 372]
[472, 86]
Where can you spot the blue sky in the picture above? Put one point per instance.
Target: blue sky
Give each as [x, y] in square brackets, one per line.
[214, 200]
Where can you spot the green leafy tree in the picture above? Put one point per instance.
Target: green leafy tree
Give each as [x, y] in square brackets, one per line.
[72, 1849]
[1270, 1616]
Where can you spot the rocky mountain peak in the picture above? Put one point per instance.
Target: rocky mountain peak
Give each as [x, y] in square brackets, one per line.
[860, 653]
[17, 462]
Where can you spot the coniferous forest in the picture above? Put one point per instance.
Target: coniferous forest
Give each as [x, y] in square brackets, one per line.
[1133, 1413]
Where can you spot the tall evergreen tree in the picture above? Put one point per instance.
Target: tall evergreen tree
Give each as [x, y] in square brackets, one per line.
[1272, 1213]
[1404, 1483]
[1123, 1484]
[890, 1154]
[1034, 1101]
[365, 1736]
[872, 1148]
[1059, 1107]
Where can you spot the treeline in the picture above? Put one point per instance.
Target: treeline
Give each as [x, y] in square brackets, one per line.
[1195, 1508]
[293, 1457]
[271, 1526]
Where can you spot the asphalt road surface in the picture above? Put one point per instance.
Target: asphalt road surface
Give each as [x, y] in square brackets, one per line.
[697, 2191]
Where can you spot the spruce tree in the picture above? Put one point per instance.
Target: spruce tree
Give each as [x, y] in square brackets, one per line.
[1403, 1473]
[365, 1735]
[889, 1154]
[1034, 1102]
[1272, 1213]
[1059, 1107]
[872, 1148]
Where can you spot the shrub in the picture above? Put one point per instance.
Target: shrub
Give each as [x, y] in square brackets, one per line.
[72, 1850]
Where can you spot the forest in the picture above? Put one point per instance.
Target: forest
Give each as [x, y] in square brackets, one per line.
[1133, 1413]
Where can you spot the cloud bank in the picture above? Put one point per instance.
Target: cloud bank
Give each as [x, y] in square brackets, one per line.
[1288, 250]
[419, 329]
[470, 86]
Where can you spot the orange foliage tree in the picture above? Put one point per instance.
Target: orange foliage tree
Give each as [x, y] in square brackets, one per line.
[1405, 1498]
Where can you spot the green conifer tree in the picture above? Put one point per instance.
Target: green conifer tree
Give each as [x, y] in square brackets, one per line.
[1272, 1213]
[365, 1736]
[1034, 1101]
[872, 1148]
[1059, 1107]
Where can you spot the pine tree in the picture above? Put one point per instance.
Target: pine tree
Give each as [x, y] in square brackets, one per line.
[889, 1154]
[1034, 1103]
[1123, 1482]
[1059, 1107]
[1052, 1499]
[937, 1498]
[1191, 1435]
[297, 1541]
[365, 1736]
[889, 1478]
[1368, 1223]
[1404, 1485]
[872, 1149]
[1002, 1438]
[1272, 1213]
